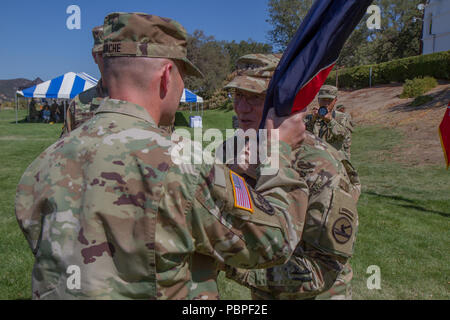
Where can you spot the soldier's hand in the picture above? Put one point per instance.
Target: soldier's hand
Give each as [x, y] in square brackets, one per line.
[328, 117]
[291, 128]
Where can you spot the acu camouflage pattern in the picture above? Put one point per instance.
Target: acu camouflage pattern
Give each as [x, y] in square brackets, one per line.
[83, 107]
[254, 72]
[145, 35]
[340, 108]
[319, 267]
[328, 92]
[337, 132]
[108, 199]
[97, 34]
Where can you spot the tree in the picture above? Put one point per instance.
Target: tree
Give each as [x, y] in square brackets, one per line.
[211, 58]
[399, 37]
[285, 16]
[236, 50]
[216, 60]
[400, 33]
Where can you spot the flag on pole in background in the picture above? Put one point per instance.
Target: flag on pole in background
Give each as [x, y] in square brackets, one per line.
[311, 54]
[444, 133]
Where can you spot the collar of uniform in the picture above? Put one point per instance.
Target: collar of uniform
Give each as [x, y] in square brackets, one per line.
[101, 90]
[124, 107]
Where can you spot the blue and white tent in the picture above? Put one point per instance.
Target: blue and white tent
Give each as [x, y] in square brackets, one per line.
[189, 96]
[66, 86]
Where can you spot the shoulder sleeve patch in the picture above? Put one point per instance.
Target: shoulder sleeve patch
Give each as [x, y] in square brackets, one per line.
[242, 199]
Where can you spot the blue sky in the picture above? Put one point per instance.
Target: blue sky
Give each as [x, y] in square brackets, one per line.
[37, 43]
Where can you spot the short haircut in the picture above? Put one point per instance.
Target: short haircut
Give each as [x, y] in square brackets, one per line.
[134, 71]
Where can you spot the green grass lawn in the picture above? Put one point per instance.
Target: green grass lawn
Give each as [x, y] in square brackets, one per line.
[404, 214]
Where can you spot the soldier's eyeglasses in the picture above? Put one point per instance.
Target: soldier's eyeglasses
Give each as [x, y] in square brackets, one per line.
[254, 99]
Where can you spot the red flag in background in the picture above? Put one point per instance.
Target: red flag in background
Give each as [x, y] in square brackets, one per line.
[444, 132]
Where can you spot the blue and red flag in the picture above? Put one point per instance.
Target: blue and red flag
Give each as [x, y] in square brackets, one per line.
[311, 54]
[444, 133]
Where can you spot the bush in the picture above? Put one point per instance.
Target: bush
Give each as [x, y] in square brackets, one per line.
[420, 100]
[435, 65]
[417, 87]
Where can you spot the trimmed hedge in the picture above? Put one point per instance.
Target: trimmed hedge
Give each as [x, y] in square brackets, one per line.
[435, 65]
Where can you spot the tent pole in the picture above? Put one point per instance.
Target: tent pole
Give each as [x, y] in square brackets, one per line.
[65, 111]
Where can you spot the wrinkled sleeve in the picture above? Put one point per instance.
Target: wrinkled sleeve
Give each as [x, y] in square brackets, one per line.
[338, 130]
[240, 238]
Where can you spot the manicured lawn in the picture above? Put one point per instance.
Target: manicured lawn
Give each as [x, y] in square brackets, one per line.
[404, 214]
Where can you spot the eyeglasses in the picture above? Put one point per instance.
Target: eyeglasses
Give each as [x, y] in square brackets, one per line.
[251, 99]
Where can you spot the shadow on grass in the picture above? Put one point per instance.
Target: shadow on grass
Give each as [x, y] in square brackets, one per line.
[24, 120]
[408, 206]
[180, 120]
[419, 208]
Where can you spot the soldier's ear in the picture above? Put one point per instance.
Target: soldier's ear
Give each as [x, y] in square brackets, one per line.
[165, 80]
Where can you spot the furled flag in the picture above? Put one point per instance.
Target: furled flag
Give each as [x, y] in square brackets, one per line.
[311, 54]
[444, 133]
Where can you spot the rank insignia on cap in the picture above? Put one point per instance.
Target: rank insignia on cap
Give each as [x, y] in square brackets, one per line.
[242, 198]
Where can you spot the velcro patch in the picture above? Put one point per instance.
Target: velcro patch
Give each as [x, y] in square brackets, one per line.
[242, 198]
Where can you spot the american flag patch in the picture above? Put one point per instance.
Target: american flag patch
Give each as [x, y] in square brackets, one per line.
[242, 198]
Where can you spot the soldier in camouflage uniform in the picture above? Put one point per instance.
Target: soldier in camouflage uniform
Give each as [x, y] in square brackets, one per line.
[110, 201]
[336, 127]
[84, 105]
[319, 268]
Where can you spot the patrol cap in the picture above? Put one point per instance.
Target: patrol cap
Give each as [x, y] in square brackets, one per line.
[254, 72]
[328, 92]
[145, 35]
[97, 34]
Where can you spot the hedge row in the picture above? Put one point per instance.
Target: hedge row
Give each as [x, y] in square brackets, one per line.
[435, 65]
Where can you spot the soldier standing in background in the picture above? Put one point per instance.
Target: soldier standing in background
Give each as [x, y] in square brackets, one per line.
[83, 106]
[34, 114]
[330, 125]
[110, 199]
[319, 268]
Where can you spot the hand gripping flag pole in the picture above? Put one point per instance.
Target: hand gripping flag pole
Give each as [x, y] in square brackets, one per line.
[312, 54]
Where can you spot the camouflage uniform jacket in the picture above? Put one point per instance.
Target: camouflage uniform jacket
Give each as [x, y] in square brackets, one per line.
[322, 254]
[337, 132]
[84, 105]
[109, 200]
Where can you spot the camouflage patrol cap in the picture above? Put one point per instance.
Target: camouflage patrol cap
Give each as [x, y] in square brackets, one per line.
[254, 72]
[144, 35]
[328, 92]
[97, 34]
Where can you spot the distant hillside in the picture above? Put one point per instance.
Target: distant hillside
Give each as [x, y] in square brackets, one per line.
[9, 87]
